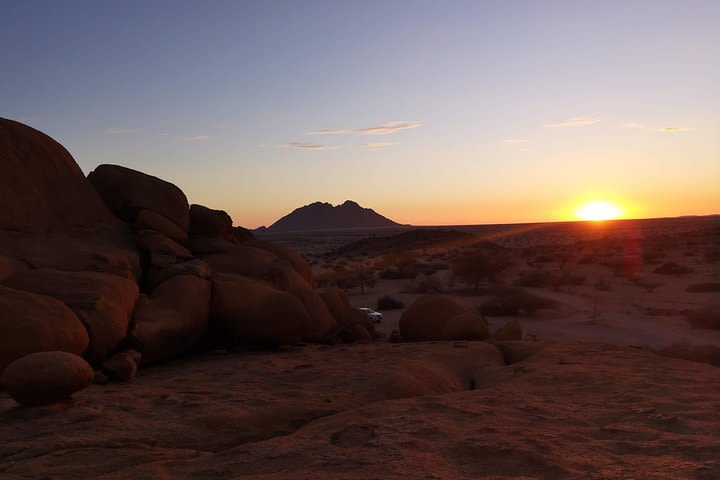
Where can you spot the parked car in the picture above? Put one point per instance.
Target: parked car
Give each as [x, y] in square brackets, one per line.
[374, 316]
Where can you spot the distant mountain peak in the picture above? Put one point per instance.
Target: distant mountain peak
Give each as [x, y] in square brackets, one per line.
[325, 216]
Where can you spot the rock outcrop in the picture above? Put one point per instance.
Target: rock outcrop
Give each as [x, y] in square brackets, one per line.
[36, 323]
[50, 215]
[172, 319]
[104, 303]
[247, 310]
[127, 192]
[435, 317]
[46, 377]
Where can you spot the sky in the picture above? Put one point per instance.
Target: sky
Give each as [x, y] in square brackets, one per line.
[431, 113]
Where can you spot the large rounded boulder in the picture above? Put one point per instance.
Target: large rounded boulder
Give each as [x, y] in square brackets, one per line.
[207, 222]
[435, 317]
[104, 303]
[46, 377]
[172, 320]
[41, 186]
[32, 323]
[127, 192]
[245, 310]
[262, 264]
[50, 214]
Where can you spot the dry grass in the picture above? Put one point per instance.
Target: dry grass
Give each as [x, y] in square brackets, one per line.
[514, 301]
[704, 287]
[708, 317]
[695, 353]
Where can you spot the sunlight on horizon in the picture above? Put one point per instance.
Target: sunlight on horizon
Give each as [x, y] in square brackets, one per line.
[598, 210]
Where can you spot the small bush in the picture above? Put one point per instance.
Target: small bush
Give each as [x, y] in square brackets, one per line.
[708, 317]
[425, 285]
[647, 285]
[514, 301]
[588, 260]
[535, 278]
[704, 287]
[603, 284]
[672, 268]
[397, 273]
[387, 302]
[571, 278]
[712, 256]
[653, 256]
[695, 353]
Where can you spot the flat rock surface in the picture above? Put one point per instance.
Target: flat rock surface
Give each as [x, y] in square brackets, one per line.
[425, 410]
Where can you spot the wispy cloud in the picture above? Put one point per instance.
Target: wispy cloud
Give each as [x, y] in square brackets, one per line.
[382, 129]
[573, 122]
[633, 125]
[329, 132]
[197, 138]
[119, 131]
[674, 129]
[309, 146]
[515, 141]
[388, 128]
[375, 145]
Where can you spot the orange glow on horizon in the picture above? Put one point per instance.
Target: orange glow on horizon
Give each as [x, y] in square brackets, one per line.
[598, 210]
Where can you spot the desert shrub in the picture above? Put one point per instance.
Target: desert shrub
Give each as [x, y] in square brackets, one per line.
[477, 266]
[397, 273]
[653, 256]
[646, 284]
[570, 278]
[603, 284]
[712, 256]
[588, 260]
[695, 353]
[514, 301]
[704, 287]
[708, 317]
[388, 302]
[360, 280]
[543, 259]
[424, 285]
[672, 268]
[535, 278]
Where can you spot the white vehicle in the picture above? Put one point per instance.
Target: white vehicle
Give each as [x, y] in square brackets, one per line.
[374, 316]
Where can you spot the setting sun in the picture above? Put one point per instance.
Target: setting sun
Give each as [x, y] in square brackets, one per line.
[598, 210]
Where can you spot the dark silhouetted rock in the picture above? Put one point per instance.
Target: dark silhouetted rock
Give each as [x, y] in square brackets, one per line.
[207, 222]
[173, 319]
[264, 265]
[322, 216]
[395, 336]
[151, 220]
[32, 323]
[157, 274]
[46, 377]
[510, 331]
[104, 303]
[466, 326]
[250, 311]
[50, 215]
[120, 366]
[435, 317]
[128, 191]
[41, 186]
[158, 244]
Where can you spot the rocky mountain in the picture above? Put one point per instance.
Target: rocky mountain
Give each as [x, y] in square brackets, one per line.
[324, 216]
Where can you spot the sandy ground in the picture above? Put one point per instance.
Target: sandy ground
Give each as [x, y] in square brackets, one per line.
[580, 399]
[572, 410]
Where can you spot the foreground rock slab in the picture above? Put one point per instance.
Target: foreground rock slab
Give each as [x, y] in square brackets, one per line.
[420, 410]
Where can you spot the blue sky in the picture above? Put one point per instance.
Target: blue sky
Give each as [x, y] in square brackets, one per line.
[433, 113]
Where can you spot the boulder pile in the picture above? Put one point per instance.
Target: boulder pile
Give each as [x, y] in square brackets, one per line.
[118, 270]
